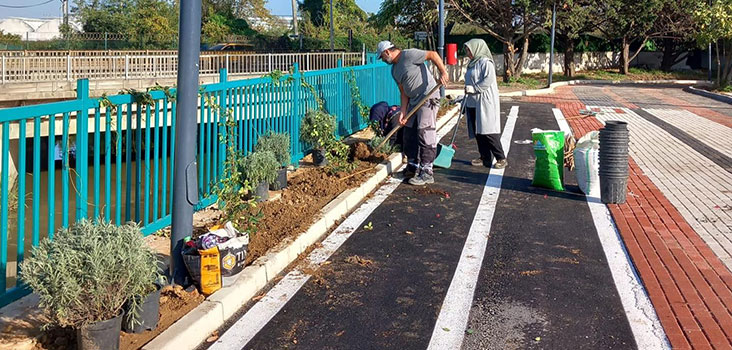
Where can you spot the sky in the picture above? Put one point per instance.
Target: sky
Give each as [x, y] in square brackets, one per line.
[53, 8]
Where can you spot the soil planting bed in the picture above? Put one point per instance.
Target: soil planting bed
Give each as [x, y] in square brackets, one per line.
[309, 190]
[174, 303]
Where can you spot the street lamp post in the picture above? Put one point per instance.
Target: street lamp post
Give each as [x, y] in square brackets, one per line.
[551, 52]
[185, 180]
[332, 34]
[441, 39]
[709, 52]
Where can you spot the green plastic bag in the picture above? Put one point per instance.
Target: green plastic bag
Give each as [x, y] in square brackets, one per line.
[549, 151]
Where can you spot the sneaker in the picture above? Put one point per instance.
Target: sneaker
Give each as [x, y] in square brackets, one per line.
[501, 164]
[422, 179]
[477, 162]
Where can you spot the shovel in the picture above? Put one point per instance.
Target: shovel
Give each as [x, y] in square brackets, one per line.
[446, 152]
[409, 115]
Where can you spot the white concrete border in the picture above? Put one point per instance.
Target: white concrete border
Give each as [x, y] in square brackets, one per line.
[553, 87]
[709, 94]
[642, 317]
[191, 330]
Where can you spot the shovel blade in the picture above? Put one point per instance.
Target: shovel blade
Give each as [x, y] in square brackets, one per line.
[444, 156]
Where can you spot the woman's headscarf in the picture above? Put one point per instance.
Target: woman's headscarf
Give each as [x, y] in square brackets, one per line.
[479, 49]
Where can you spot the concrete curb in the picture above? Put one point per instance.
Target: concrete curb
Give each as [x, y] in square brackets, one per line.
[709, 94]
[193, 329]
[551, 89]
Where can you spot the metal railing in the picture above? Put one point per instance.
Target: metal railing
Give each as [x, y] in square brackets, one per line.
[112, 157]
[17, 69]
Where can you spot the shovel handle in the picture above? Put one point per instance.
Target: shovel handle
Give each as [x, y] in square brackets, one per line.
[409, 115]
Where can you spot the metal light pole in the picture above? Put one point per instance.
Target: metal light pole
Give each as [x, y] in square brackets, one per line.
[441, 39]
[332, 34]
[709, 51]
[551, 52]
[185, 180]
[294, 15]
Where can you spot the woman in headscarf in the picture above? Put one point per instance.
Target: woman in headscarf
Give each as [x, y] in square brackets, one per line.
[482, 105]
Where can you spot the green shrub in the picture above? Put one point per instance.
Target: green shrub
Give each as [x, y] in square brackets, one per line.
[337, 154]
[279, 144]
[260, 167]
[387, 148]
[89, 270]
[318, 129]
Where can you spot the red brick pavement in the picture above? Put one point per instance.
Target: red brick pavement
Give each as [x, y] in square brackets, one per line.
[688, 285]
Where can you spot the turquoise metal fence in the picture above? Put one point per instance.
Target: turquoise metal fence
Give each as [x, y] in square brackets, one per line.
[112, 158]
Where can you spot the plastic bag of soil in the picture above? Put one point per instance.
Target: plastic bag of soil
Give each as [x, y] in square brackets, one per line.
[214, 267]
[587, 162]
[549, 152]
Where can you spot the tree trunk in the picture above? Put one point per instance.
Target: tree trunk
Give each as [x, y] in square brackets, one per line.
[719, 63]
[508, 59]
[569, 58]
[625, 57]
[522, 59]
[669, 55]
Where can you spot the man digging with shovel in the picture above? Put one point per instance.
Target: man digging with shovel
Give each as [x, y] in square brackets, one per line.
[410, 72]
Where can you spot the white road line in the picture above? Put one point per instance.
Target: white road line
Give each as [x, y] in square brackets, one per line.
[453, 318]
[641, 315]
[254, 320]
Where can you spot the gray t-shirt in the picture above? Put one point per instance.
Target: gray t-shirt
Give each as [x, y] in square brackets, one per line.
[412, 74]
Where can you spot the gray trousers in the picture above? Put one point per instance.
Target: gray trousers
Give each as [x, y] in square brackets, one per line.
[420, 138]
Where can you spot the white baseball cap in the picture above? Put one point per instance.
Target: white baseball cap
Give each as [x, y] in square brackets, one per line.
[383, 46]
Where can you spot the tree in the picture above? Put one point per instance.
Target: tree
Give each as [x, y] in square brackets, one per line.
[347, 16]
[715, 27]
[511, 22]
[409, 16]
[631, 22]
[10, 39]
[574, 18]
[676, 30]
[147, 23]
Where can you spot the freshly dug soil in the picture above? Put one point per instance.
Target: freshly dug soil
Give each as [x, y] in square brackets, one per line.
[174, 304]
[306, 194]
[360, 151]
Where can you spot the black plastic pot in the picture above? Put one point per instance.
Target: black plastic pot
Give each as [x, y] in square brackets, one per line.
[616, 125]
[149, 315]
[281, 181]
[319, 157]
[262, 191]
[102, 335]
[613, 189]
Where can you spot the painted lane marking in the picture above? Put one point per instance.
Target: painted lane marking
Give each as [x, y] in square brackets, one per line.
[452, 321]
[641, 315]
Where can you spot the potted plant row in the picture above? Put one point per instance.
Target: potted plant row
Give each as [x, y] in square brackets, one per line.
[279, 145]
[92, 277]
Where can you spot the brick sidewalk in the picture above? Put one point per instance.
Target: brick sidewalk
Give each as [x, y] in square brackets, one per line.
[689, 286]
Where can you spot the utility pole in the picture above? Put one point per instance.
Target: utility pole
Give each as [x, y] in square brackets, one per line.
[709, 52]
[332, 34]
[65, 9]
[441, 39]
[551, 52]
[294, 15]
[185, 178]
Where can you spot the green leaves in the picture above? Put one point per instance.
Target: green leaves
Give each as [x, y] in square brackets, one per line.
[89, 270]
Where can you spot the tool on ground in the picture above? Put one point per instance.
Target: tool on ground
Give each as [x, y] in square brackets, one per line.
[409, 115]
[445, 153]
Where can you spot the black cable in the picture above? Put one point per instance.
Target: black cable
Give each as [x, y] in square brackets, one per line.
[25, 6]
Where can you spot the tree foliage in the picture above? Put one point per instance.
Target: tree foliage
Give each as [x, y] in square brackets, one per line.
[715, 27]
[511, 22]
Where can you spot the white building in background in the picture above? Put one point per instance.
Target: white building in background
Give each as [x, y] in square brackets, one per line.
[280, 21]
[35, 29]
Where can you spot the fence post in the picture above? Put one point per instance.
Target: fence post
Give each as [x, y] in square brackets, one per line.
[223, 113]
[343, 57]
[363, 54]
[295, 121]
[82, 149]
[307, 60]
[3, 64]
[68, 67]
[127, 67]
[269, 57]
[226, 65]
